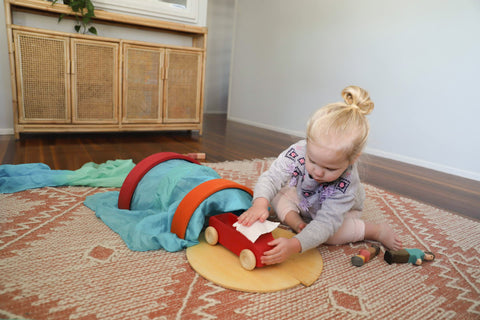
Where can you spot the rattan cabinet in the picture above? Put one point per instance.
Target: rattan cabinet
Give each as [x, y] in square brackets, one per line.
[64, 80]
[68, 82]
[161, 85]
[182, 89]
[42, 80]
[94, 74]
[143, 80]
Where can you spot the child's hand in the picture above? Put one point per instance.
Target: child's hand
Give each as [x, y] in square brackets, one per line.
[283, 248]
[257, 212]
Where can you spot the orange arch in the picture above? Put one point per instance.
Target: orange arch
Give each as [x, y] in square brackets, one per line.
[195, 197]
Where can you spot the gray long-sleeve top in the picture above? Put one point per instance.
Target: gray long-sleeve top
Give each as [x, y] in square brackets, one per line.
[323, 206]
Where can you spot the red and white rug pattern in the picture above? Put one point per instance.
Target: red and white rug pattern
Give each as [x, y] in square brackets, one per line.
[58, 261]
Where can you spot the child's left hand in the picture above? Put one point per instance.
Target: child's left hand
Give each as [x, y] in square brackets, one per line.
[283, 248]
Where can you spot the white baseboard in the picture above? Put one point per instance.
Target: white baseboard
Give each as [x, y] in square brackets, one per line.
[424, 164]
[299, 134]
[6, 131]
[379, 153]
[214, 112]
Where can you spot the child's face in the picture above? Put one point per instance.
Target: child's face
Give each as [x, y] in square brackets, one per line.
[324, 162]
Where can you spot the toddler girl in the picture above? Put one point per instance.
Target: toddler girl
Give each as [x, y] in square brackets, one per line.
[314, 186]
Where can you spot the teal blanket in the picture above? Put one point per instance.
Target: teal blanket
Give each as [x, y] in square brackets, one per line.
[147, 225]
[15, 178]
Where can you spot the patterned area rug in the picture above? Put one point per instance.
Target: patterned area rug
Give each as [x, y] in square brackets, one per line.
[58, 261]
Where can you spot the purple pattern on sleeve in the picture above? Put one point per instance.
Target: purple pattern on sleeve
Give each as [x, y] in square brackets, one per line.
[293, 182]
[292, 154]
[326, 192]
[293, 169]
[342, 185]
[304, 204]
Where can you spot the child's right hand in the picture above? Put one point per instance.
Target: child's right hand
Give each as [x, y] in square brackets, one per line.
[257, 212]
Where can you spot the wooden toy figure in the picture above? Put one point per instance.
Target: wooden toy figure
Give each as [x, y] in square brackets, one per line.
[413, 256]
[365, 255]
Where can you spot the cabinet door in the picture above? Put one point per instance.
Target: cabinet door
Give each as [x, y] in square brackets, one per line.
[183, 86]
[142, 84]
[42, 78]
[94, 81]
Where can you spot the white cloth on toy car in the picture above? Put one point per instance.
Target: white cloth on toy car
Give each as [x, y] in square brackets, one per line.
[256, 229]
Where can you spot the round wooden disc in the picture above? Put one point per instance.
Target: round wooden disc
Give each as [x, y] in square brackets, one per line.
[222, 267]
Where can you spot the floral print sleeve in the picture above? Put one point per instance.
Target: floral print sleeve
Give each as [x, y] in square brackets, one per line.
[286, 169]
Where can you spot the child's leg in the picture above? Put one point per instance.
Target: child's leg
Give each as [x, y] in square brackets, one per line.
[354, 229]
[351, 230]
[285, 206]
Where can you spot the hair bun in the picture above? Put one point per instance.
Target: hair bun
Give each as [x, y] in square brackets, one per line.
[358, 98]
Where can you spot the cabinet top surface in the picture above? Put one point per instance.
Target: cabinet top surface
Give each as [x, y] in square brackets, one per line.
[46, 6]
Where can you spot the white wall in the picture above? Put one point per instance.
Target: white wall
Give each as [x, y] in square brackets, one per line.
[219, 50]
[419, 59]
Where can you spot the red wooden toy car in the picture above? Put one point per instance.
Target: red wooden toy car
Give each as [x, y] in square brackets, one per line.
[221, 230]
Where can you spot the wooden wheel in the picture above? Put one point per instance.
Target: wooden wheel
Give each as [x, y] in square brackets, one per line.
[211, 236]
[247, 259]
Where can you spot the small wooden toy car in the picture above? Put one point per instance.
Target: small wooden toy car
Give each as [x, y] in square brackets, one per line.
[221, 230]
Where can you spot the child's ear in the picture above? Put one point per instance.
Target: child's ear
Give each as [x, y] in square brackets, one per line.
[355, 158]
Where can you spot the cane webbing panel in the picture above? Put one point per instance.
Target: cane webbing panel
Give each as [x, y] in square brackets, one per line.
[143, 84]
[41, 64]
[95, 81]
[183, 95]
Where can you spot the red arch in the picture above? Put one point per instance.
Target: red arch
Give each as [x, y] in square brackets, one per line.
[136, 174]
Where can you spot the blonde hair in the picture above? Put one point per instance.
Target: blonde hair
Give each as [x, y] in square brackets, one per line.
[344, 119]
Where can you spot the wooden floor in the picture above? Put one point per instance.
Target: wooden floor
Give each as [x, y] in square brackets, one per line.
[224, 140]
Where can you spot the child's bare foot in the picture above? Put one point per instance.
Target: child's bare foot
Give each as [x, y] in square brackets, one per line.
[383, 233]
[300, 227]
[294, 221]
[389, 238]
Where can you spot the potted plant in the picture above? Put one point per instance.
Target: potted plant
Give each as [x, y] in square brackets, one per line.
[85, 12]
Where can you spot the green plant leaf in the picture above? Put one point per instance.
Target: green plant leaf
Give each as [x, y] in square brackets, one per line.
[90, 8]
[85, 11]
[76, 5]
[93, 30]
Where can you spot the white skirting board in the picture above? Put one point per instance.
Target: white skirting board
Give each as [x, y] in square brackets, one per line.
[6, 131]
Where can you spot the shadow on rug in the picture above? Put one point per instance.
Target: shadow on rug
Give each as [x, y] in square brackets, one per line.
[58, 261]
